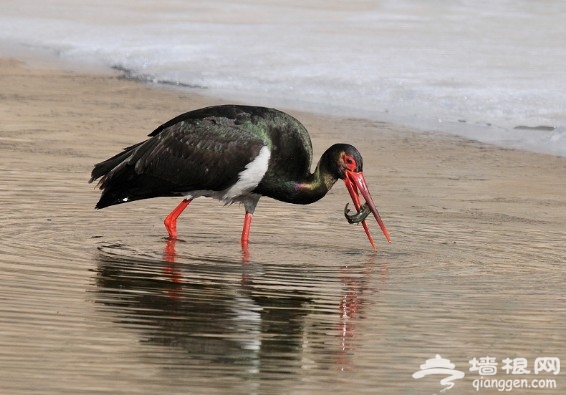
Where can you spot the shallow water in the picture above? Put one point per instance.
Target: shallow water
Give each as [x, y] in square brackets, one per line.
[100, 302]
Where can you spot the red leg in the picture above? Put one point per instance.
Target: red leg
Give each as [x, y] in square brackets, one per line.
[171, 220]
[246, 230]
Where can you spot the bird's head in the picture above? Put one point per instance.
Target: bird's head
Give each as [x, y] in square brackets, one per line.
[346, 163]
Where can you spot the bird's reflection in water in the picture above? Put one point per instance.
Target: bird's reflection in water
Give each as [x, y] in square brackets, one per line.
[250, 317]
[358, 289]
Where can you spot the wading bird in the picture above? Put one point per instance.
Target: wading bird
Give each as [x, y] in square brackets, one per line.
[232, 153]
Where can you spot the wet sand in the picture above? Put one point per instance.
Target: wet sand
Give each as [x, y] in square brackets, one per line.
[475, 267]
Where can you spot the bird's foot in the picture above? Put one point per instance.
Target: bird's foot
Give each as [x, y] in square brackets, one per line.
[359, 216]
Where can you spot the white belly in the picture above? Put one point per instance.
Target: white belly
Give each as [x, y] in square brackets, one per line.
[248, 180]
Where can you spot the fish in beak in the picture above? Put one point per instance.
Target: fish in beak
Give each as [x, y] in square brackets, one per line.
[356, 183]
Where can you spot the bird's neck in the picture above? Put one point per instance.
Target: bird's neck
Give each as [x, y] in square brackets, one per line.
[306, 190]
[315, 186]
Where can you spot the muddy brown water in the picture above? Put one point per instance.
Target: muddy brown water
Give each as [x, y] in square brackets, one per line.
[100, 302]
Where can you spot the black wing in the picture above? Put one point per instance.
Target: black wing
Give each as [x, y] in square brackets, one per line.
[203, 154]
[192, 153]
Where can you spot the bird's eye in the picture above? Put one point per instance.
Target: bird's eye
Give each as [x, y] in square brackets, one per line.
[350, 162]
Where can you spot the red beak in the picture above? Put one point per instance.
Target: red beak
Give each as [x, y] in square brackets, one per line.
[355, 181]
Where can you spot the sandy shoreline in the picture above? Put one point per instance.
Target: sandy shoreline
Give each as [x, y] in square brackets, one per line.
[67, 121]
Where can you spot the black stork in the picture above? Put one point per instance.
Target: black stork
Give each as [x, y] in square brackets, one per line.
[233, 153]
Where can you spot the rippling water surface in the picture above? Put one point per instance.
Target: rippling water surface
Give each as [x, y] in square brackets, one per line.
[100, 302]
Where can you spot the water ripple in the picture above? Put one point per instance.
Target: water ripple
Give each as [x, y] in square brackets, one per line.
[101, 302]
